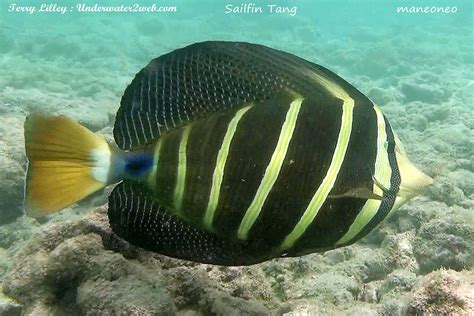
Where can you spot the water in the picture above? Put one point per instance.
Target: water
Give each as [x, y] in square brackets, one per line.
[417, 66]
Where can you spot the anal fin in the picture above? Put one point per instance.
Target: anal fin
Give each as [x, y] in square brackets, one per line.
[137, 217]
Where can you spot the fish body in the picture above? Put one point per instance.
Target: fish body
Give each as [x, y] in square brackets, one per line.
[232, 153]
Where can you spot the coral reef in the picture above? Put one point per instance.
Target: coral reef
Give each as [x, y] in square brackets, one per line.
[446, 242]
[68, 268]
[443, 292]
[78, 266]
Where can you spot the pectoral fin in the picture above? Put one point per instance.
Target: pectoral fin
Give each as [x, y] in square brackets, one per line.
[360, 193]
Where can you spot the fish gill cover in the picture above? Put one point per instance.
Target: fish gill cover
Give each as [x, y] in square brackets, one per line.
[76, 58]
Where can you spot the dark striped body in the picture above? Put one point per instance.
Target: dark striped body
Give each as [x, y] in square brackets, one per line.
[187, 189]
[256, 153]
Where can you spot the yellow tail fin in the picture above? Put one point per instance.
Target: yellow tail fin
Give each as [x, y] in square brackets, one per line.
[67, 162]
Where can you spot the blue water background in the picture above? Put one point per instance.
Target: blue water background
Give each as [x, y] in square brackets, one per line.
[122, 43]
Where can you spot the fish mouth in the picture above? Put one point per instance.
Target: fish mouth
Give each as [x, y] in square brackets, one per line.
[413, 181]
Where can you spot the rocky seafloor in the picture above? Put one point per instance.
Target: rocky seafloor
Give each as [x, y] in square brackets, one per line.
[419, 261]
[416, 264]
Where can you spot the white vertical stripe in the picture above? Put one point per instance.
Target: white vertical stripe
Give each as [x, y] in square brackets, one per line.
[221, 160]
[328, 182]
[181, 172]
[382, 173]
[272, 171]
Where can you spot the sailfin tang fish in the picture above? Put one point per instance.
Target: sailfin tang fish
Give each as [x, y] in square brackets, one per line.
[229, 153]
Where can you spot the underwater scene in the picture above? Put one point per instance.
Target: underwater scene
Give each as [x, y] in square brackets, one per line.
[221, 157]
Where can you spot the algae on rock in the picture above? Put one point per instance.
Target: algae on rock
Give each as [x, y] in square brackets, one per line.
[443, 292]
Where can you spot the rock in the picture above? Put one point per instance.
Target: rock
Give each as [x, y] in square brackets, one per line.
[443, 292]
[126, 294]
[445, 242]
[366, 265]
[332, 287]
[17, 232]
[80, 266]
[445, 191]
[66, 269]
[360, 309]
[8, 307]
[368, 293]
[393, 305]
[202, 287]
[419, 122]
[438, 113]
[243, 282]
[12, 168]
[400, 250]
[467, 164]
[423, 92]
[219, 304]
[382, 96]
[308, 307]
[397, 281]
[4, 262]
[463, 179]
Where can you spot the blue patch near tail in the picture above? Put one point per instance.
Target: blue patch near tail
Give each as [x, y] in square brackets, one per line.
[137, 164]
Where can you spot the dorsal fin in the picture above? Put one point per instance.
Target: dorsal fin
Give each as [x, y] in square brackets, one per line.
[204, 78]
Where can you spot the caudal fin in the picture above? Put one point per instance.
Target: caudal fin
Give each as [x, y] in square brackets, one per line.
[67, 162]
